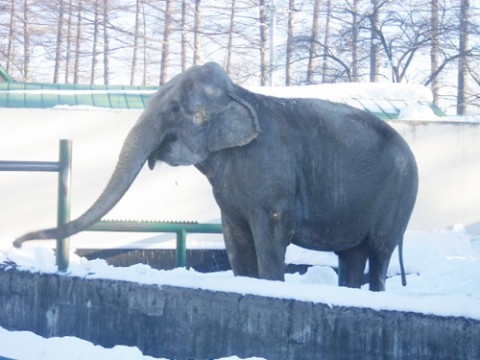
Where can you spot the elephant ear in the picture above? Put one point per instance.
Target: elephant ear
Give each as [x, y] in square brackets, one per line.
[235, 125]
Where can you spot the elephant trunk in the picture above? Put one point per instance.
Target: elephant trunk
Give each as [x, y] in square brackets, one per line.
[140, 142]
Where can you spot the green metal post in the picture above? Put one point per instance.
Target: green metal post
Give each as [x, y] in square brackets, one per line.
[63, 210]
[181, 251]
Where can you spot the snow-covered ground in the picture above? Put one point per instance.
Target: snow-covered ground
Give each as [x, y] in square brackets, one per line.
[443, 278]
[25, 345]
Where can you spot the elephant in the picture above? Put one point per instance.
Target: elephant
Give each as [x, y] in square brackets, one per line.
[322, 175]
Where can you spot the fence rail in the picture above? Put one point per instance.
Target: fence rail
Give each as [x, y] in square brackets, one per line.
[179, 228]
[63, 167]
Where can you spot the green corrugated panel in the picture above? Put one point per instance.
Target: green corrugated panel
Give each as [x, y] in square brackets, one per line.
[67, 99]
[32, 100]
[32, 86]
[146, 98]
[84, 99]
[118, 101]
[386, 114]
[134, 101]
[101, 100]
[16, 100]
[48, 100]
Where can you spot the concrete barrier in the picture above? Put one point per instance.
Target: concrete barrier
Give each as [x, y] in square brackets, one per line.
[183, 323]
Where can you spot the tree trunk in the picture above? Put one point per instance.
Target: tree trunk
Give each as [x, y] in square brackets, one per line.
[326, 41]
[78, 43]
[228, 68]
[58, 49]
[184, 36]
[166, 41]
[106, 42]
[312, 53]
[374, 42]
[26, 42]
[263, 43]
[94, 47]
[435, 49]
[196, 34]
[69, 41]
[11, 36]
[355, 30]
[136, 34]
[290, 42]
[463, 59]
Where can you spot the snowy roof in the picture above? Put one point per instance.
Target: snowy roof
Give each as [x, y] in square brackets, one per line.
[383, 100]
[36, 95]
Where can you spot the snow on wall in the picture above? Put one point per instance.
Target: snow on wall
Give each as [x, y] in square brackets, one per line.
[448, 156]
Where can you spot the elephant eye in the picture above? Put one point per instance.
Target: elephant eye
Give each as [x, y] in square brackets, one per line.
[175, 108]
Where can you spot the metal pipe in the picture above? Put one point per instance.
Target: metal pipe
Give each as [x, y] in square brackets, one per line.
[63, 208]
[38, 166]
[179, 228]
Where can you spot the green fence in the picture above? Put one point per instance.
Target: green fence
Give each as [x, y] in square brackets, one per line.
[63, 167]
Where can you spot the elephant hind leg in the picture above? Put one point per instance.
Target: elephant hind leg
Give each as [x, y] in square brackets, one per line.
[378, 266]
[351, 266]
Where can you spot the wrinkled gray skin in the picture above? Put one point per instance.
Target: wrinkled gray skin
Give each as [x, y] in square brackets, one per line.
[317, 174]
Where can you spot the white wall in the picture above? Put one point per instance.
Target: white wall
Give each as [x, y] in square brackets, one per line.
[448, 156]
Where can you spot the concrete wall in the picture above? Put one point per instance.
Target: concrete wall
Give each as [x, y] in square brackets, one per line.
[183, 323]
[448, 156]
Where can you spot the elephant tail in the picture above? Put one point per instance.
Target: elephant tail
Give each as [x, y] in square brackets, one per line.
[402, 268]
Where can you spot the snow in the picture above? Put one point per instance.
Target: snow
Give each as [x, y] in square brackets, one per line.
[443, 267]
[339, 91]
[55, 348]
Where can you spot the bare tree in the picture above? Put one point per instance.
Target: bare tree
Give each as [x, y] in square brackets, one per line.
[136, 36]
[11, 36]
[69, 41]
[78, 42]
[106, 42]
[312, 53]
[463, 59]
[290, 42]
[58, 47]
[166, 41]
[435, 48]
[230, 37]
[263, 42]
[184, 35]
[96, 30]
[196, 34]
[26, 41]
[354, 46]
[326, 42]
[374, 23]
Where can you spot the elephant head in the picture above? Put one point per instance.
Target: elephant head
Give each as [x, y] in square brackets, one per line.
[196, 113]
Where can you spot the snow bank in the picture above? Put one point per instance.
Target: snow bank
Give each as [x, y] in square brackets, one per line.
[56, 348]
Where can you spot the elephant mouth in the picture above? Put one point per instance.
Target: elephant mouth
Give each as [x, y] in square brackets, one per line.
[160, 152]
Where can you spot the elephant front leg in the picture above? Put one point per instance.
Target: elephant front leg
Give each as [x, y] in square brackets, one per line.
[272, 232]
[240, 247]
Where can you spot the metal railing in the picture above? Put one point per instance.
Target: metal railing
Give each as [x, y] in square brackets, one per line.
[179, 228]
[63, 167]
